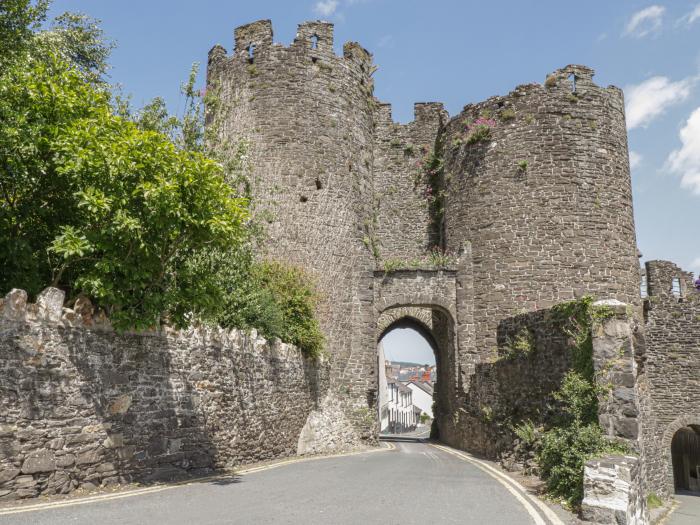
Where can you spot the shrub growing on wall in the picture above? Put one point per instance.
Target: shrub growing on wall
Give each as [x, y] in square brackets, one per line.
[276, 299]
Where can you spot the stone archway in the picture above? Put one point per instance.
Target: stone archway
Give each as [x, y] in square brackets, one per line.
[437, 326]
[677, 437]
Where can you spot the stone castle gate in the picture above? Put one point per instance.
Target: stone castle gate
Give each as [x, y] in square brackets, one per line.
[430, 214]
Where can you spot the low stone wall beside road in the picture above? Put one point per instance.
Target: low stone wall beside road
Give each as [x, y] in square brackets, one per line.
[82, 405]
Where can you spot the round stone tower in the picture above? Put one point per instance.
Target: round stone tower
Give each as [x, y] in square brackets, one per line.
[541, 188]
[305, 116]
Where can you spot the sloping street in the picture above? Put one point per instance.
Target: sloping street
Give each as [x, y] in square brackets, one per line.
[412, 483]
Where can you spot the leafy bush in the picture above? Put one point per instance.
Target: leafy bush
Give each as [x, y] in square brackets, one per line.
[276, 299]
[507, 114]
[479, 130]
[575, 436]
[527, 432]
[563, 452]
[653, 501]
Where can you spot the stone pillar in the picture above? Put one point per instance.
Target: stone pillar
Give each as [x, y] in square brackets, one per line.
[613, 485]
[612, 492]
[615, 370]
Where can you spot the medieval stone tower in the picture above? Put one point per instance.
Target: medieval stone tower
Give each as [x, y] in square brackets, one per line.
[536, 211]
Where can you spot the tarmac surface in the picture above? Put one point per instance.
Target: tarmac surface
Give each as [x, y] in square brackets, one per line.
[407, 483]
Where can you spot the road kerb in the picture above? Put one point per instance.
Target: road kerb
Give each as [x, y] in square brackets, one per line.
[511, 485]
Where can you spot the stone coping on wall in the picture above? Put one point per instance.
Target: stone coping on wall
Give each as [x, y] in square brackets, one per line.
[49, 309]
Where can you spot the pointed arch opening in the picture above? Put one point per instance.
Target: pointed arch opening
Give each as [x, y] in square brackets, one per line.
[414, 380]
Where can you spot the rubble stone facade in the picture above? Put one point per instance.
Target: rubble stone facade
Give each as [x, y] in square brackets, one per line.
[669, 381]
[537, 212]
[82, 406]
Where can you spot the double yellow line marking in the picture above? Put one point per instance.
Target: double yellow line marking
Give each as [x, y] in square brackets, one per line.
[512, 486]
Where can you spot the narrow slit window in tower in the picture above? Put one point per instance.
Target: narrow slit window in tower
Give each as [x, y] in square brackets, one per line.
[643, 288]
[251, 52]
[676, 287]
[572, 77]
[314, 42]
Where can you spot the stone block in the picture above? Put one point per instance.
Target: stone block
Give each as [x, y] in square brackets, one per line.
[50, 304]
[15, 305]
[89, 457]
[83, 308]
[8, 473]
[113, 441]
[65, 461]
[39, 461]
[120, 405]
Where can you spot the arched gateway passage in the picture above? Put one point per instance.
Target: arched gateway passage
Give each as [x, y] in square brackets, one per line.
[685, 456]
[436, 326]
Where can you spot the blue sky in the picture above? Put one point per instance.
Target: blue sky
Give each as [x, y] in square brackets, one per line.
[457, 52]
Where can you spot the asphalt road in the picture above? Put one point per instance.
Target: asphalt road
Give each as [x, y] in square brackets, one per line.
[688, 511]
[415, 483]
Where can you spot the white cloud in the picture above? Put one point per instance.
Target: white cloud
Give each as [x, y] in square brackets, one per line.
[325, 7]
[645, 22]
[649, 99]
[686, 160]
[691, 17]
[635, 159]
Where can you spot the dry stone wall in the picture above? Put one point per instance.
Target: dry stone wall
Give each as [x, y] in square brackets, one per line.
[82, 406]
[404, 228]
[533, 354]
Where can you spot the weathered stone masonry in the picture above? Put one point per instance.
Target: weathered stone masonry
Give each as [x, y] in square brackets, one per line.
[670, 377]
[81, 405]
[537, 213]
[345, 190]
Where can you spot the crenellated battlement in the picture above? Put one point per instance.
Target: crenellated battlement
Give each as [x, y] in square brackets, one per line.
[253, 44]
[252, 37]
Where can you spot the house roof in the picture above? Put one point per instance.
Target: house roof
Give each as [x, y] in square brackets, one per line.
[425, 387]
[404, 388]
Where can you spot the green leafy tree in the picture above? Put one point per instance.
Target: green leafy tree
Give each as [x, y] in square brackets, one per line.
[140, 210]
[19, 20]
[76, 37]
[94, 204]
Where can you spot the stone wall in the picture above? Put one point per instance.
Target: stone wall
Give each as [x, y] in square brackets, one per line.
[612, 492]
[557, 227]
[404, 227]
[306, 117]
[81, 405]
[533, 354]
[670, 382]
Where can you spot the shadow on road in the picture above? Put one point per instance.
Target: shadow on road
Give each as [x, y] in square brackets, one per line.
[224, 481]
[398, 438]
